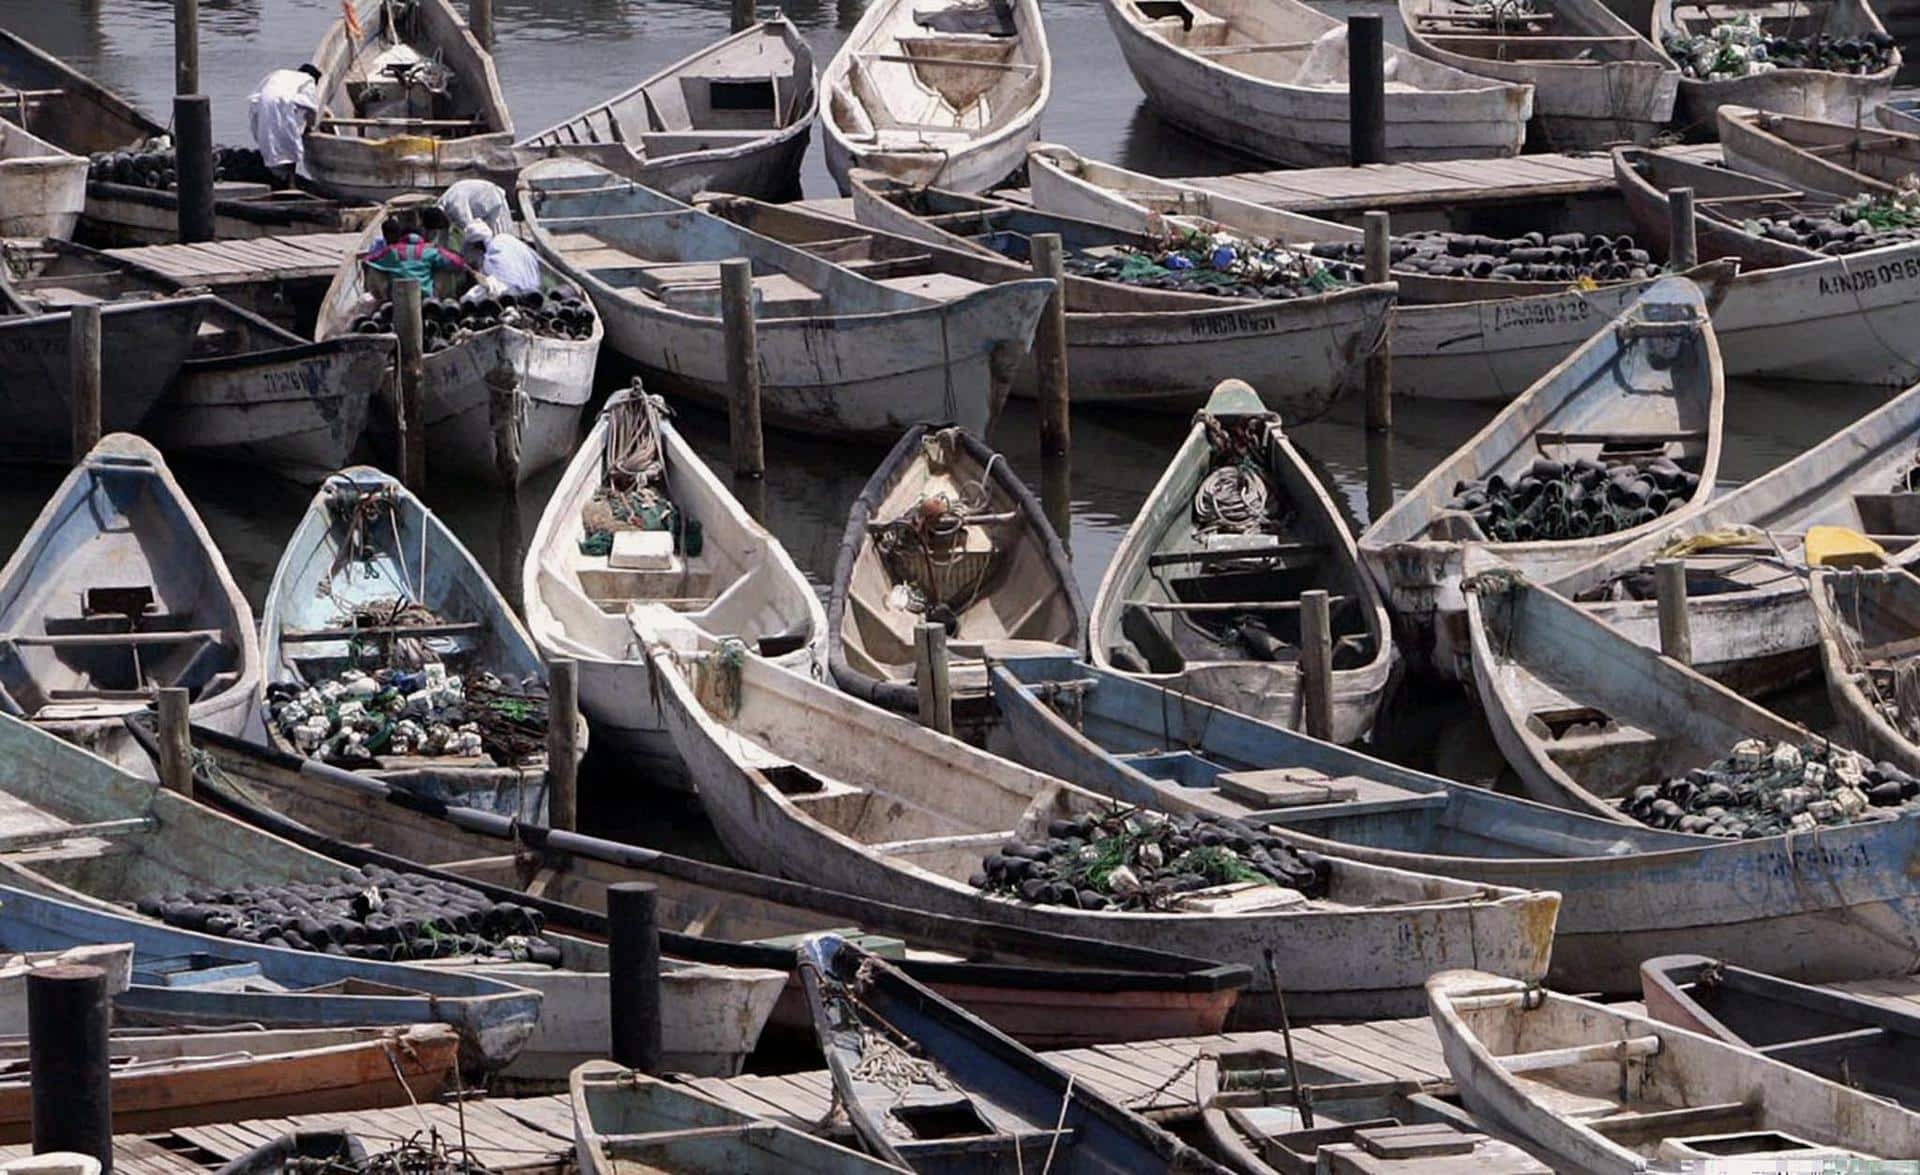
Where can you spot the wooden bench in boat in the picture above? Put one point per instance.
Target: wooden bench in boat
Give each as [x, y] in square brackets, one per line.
[295, 636]
[1670, 436]
[1333, 601]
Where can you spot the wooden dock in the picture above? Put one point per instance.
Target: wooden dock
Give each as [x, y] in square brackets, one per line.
[240, 262]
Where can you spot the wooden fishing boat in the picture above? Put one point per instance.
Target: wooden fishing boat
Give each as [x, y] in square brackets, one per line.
[1115, 735]
[1454, 338]
[1269, 78]
[1595, 79]
[806, 782]
[1858, 1042]
[1251, 1103]
[60, 104]
[1840, 159]
[627, 1121]
[409, 103]
[116, 959]
[1751, 622]
[1047, 990]
[249, 392]
[1155, 349]
[1899, 114]
[945, 532]
[945, 94]
[971, 1095]
[1867, 619]
[120, 214]
[1646, 392]
[739, 582]
[373, 579]
[42, 188]
[733, 117]
[1810, 93]
[115, 592]
[161, 1081]
[500, 403]
[1792, 313]
[1204, 594]
[841, 354]
[1594, 1088]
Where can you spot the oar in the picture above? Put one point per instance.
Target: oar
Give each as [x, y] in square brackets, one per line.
[1300, 1099]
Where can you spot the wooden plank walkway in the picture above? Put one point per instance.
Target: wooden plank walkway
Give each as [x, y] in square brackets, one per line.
[240, 262]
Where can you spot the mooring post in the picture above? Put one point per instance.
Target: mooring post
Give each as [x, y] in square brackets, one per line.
[743, 16]
[743, 368]
[412, 455]
[930, 676]
[1366, 90]
[176, 741]
[563, 742]
[1379, 473]
[1379, 242]
[1670, 595]
[193, 161]
[1048, 256]
[633, 950]
[1683, 250]
[83, 367]
[480, 21]
[69, 1067]
[186, 46]
[1316, 664]
[1056, 496]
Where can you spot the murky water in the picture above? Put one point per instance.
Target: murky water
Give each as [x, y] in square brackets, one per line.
[557, 56]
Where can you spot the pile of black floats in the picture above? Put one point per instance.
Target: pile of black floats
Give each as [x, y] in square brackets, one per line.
[371, 913]
[445, 321]
[1868, 222]
[1533, 257]
[1764, 788]
[1555, 500]
[1218, 263]
[1133, 859]
[1741, 47]
[154, 166]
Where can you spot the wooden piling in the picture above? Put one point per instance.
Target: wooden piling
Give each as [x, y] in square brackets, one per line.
[69, 1066]
[193, 162]
[186, 46]
[743, 368]
[1379, 473]
[1379, 255]
[412, 443]
[1366, 90]
[633, 990]
[1048, 256]
[930, 676]
[83, 381]
[1684, 250]
[1670, 593]
[742, 15]
[480, 21]
[1056, 496]
[563, 743]
[1316, 664]
[176, 741]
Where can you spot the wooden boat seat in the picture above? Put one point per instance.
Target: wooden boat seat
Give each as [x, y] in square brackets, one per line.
[1802, 1053]
[1633, 1128]
[1333, 601]
[110, 640]
[295, 636]
[1266, 551]
[908, 275]
[1547, 437]
[1583, 1054]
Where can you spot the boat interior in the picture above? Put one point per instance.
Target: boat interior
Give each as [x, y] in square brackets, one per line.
[1888, 156]
[1849, 1039]
[948, 542]
[414, 72]
[1728, 200]
[1778, 18]
[17, 143]
[937, 73]
[42, 94]
[1538, 32]
[1284, 42]
[1643, 1088]
[895, 261]
[1877, 616]
[733, 94]
[114, 598]
[653, 542]
[649, 248]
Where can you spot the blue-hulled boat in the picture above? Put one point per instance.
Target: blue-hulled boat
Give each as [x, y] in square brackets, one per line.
[933, 1089]
[1628, 892]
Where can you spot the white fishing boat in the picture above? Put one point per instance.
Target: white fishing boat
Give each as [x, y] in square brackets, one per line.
[1203, 595]
[739, 582]
[732, 117]
[43, 189]
[938, 92]
[1812, 155]
[1599, 1089]
[116, 592]
[409, 103]
[1868, 619]
[1595, 80]
[1833, 95]
[1269, 78]
[1644, 395]
[840, 354]
[502, 393]
[807, 782]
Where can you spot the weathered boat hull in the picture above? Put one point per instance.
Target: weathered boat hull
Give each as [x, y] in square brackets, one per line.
[70, 109]
[42, 188]
[298, 411]
[1856, 610]
[125, 215]
[1813, 156]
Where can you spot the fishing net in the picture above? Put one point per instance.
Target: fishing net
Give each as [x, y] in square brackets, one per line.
[939, 553]
[633, 494]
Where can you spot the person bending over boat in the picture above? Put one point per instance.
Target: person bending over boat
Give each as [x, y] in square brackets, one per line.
[280, 112]
[482, 200]
[505, 264]
[403, 253]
